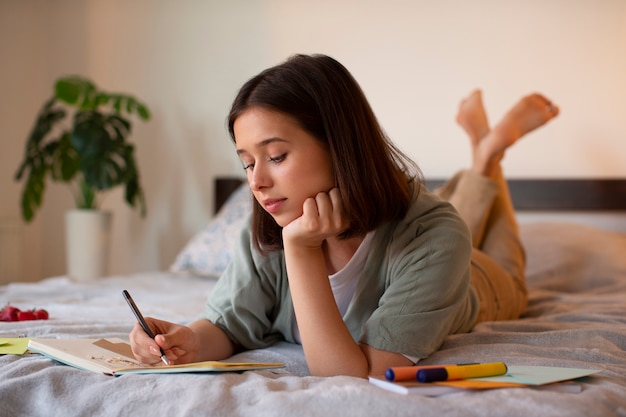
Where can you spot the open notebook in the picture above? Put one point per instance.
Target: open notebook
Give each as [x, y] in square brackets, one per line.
[114, 357]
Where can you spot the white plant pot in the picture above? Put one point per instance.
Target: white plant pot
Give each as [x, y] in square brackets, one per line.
[88, 237]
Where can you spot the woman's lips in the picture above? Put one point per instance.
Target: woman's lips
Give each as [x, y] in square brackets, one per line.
[272, 205]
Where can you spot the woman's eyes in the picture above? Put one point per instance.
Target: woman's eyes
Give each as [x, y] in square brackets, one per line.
[277, 159]
[273, 159]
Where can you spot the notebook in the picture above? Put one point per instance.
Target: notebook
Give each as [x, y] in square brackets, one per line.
[114, 357]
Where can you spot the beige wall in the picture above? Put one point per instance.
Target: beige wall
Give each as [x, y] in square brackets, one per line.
[414, 59]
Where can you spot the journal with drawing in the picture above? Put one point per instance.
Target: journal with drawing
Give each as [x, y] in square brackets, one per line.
[114, 357]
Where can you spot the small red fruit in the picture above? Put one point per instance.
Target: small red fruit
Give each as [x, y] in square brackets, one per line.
[41, 314]
[9, 313]
[26, 315]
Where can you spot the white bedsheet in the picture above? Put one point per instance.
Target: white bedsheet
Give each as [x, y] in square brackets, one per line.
[576, 318]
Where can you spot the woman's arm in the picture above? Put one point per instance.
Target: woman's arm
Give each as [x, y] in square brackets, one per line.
[213, 343]
[327, 343]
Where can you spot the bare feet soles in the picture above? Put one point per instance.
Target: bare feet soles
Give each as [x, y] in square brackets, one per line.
[472, 117]
[488, 148]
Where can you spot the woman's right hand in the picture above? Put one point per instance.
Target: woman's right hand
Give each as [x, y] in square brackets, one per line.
[323, 217]
[180, 343]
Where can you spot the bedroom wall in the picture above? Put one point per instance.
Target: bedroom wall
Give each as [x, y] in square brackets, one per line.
[414, 59]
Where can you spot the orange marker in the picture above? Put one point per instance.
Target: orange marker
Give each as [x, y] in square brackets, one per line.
[409, 373]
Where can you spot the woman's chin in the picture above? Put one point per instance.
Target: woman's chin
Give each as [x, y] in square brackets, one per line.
[283, 220]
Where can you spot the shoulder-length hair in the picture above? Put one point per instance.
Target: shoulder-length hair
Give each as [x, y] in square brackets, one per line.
[373, 176]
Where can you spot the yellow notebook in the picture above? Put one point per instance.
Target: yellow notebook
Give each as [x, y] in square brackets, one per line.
[114, 357]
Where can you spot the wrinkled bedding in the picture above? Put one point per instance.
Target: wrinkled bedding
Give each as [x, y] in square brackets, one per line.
[576, 318]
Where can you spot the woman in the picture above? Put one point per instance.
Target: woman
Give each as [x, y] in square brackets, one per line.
[346, 253]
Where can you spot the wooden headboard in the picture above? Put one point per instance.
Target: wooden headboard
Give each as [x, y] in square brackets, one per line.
[601, 194]
[224, 187]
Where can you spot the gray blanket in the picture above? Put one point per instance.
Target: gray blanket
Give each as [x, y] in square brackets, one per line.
[576, 318]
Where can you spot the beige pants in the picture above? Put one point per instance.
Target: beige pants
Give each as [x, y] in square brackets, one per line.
[498, 259]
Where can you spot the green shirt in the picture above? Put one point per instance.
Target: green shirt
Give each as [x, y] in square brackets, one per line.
[415, 289]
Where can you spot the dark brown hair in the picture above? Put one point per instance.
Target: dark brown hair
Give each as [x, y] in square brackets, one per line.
[372, 174]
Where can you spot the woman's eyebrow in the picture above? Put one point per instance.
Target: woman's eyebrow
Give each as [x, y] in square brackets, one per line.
[262, 144]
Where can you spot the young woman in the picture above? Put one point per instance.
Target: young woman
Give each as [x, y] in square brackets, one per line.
[346, 252]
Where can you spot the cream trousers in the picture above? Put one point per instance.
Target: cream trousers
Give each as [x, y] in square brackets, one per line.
[498, 259]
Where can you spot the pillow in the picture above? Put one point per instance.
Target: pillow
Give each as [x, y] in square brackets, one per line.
[210, 250]
[571, 257]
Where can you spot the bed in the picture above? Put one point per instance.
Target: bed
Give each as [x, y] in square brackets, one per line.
[576, 318]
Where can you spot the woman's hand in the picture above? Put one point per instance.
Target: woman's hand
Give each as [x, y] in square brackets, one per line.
[200, 341]
[180, 343]
[322, 217]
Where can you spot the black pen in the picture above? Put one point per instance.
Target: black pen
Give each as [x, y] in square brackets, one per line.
[142, 322]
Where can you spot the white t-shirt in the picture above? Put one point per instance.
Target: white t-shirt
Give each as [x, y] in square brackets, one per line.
[344, 282]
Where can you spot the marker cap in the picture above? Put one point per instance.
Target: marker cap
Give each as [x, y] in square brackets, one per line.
[432, 375]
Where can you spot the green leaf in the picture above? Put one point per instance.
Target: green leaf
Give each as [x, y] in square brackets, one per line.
[46, 119]
[100, 143]
[117, 104]
[32, 195]
[64, 162]
[120, 126]
[130, 105]
[90, 135]
[102, 98]
[76, 91]
[28, 211]
[68, 90]
[142, 111]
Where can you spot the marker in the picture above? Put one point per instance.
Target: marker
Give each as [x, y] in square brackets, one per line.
[450, 373]
[409, 373]
[142, 322]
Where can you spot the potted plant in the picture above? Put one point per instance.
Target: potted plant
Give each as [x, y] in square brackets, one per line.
[80, 137]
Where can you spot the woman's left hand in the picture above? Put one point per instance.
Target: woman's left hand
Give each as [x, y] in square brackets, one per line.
[322, 217]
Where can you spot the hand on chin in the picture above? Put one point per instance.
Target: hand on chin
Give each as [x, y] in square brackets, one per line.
[322, 217]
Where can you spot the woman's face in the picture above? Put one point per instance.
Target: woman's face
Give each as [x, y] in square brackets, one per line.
[284, 164]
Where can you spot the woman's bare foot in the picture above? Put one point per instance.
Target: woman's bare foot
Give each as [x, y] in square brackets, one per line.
[472, 117]
[528, 114]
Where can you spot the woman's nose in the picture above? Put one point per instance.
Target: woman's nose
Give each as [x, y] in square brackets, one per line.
[258, 178]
